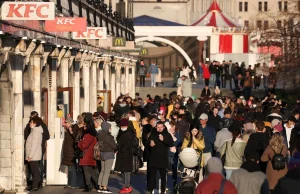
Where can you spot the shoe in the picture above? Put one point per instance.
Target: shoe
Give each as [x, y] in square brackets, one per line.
[40, 186]
[28, 188]
[34, 189]
[100, 190]
[126, 190]
[148, 192]
[87, 189]
[194, 83]
[106, 191]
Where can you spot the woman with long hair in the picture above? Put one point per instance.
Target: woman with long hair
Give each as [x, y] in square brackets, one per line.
[233, 150]
[195, 139]
[276, 146]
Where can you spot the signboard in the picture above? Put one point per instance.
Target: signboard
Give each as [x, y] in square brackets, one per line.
[91, 33]
[28, 10]
[144, 51]
[119, 42]
[65, 24]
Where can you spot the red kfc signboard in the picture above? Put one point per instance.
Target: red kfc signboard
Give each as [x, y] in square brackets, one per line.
[28, 10]
[63, 24]
[91, 33]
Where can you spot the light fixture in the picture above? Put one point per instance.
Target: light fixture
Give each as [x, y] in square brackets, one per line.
[43, 42]
[70, 47]
[81, 50]
[90, 51]
[33, 40]
[24, 38]
[1, 32]
[64, 47]
[58, 45]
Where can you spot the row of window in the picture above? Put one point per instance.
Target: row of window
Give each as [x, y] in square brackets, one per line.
[265, 24]
[263, 6]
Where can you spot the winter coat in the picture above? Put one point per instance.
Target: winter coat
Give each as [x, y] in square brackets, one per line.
[223, 135]
[33, 147]
[289, 184]
[46, 134]
[124, 160]
[142, 70]
[233, 153]
[197, 144]
[186, 88]
[153, 69]
[205, 93]
[206, 74]
[294, 161]
[87, 146]
[136, 126]
[183, 127]
[158, 76]
[250, 182]
[146, 131]
[203, 107]
[108, 146]
[212, 184]
[68, 146]
[209, 138]
[215, 122]
[256, 146]
[159, 153]
[273, 175]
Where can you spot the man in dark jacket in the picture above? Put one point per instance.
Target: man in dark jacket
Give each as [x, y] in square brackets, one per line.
[214, 119]
[160, 141]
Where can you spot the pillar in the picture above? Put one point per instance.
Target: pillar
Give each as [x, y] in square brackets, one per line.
[127, 79]
[202, 51]
[123, 78]
[118, 79]
[107, 75]
[133, 79]
[52, 91]
[36, 62]
[113, 82]
[76, 86]
[86, 83]
[93, 86]
[100, 77]
[64, 75]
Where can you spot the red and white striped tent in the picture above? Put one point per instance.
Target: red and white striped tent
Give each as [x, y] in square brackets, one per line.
[228, 35]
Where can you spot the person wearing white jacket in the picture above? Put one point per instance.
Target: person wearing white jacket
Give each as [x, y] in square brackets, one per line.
[33, 151]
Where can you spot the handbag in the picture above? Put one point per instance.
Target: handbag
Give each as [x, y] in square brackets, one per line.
[78, 153]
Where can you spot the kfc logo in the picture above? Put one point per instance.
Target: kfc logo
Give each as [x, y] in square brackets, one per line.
[28, 11]
[91, 33]
[63, 24]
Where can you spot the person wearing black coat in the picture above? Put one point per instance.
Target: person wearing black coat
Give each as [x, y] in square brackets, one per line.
[214, 119]
[124, 160]
[160, 140]
[289, 184]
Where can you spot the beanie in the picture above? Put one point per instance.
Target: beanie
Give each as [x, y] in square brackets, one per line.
[124, 122]
[105, 126]
[214, 165]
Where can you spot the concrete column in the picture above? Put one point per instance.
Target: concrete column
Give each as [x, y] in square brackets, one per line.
[127, 79]
[113, 82]
[64, 75]
[52, 91]
[100, 77]
[118, 80]
[133, 79]
[93, 86]
[36, 62]
[107, 75]
[76, 88]
[123, 78]
[86, 85]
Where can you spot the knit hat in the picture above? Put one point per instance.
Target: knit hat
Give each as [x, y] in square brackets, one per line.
[214, 165]
[105, 126]
[124, 122]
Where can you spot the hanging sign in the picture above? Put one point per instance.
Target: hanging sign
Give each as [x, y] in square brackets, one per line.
[144, 51]
[64, 24]
[91, 33]
[28, 10]
[119, 42]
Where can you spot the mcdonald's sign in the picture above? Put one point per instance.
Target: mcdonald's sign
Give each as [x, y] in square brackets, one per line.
[119, 42]
[144, 51]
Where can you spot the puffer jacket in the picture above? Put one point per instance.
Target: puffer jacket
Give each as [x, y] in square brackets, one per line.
[233, 153]
[108, 145]
[33, 147]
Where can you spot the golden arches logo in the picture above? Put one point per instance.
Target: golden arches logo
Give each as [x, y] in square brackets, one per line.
[144, 51]
[119, 42]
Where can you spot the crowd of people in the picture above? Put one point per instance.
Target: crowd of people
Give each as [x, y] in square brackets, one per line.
[256, 139]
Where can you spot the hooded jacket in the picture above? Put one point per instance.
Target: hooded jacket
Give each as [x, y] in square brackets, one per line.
[33, 147]
[107, 145]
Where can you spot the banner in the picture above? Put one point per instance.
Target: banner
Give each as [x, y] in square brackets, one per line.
[64, 24]
[91, 33]
[119, 42]
[28, 10]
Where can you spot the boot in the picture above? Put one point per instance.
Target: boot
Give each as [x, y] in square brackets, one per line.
[88, 188]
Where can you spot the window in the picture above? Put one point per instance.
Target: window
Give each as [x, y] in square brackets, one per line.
[246, 23]
[246, 6]
[259, 6]
[279, 24]
[266, 25]
[240, 6]
[280, 5]
[285, 6]
[258, 24]
[266, 6]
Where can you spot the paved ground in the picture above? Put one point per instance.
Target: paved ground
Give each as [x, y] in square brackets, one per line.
[138, 183]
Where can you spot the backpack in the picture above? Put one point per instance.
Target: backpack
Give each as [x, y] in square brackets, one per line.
[278, 161]
[97, 153]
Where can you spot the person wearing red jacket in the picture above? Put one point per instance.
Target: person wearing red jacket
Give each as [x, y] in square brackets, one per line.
[215, 181]
[206, 74]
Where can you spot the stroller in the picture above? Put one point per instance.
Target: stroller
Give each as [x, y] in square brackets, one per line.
[190, 160]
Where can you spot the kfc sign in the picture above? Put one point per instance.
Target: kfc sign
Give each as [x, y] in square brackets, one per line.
[28, 10]
[91, 33]
[63, 24]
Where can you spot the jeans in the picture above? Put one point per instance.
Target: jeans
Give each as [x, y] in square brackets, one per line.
[126, 179]
[153, 80]
[163, 177]
[90, 172]
[72, 176]
[206, 82]
[265, 81]
[218, 81]
[247, 92]
[212, 80]
[105, 172]
[142, 80]
[230, 78]
[200, 78]
[229, 172]
[174, 165]
[35, 169]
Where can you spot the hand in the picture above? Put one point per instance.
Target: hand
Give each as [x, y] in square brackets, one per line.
[161, 137]
[70, 129]
[173, 149]
[152, 144]
[289, 153]
[29, 159]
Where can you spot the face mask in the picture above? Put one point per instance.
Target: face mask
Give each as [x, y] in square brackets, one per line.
[292, 126]
[124, 129]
